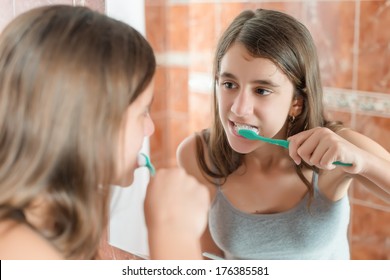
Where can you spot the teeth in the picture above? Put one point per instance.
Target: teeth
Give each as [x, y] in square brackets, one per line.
[238, 126]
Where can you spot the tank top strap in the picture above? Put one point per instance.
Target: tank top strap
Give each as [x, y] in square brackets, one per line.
[217, 183]
[314, 180]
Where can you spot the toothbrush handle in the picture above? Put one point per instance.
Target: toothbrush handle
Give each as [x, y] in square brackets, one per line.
[342, 163]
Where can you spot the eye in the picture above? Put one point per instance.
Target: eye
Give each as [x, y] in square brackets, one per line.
[262, 91]
[229, 85]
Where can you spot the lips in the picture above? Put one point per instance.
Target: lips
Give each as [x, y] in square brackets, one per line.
[238, 126]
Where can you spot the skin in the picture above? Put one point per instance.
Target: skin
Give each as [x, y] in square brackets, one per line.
[136, 125]
[176, 204]
[252, 95]
[253, 91]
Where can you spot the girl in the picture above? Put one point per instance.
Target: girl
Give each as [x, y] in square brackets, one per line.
[75, 91]
[269, 202]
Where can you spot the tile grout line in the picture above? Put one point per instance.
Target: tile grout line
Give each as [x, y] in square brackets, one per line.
[355, 59]
[370, 205]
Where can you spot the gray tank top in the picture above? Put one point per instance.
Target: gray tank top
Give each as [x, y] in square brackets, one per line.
[299, 233]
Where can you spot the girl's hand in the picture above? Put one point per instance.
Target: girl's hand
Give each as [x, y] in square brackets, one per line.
[176, 202]
[321, 147]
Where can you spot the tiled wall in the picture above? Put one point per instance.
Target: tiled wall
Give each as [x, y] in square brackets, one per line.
[353, 40]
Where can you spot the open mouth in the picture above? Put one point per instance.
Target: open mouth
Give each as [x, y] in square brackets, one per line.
[238, 126]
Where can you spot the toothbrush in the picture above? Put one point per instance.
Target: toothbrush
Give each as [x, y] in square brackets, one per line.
[251, 135]
[143, 160]
[211, 256]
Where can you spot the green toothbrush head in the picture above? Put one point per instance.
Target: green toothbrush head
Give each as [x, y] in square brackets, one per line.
[143, 160]
[249, 134]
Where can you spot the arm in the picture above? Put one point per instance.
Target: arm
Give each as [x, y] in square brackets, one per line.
[376, 164]
[20, 242]
[176, 208]
[321, 147]
[164, 243]
[187, 159]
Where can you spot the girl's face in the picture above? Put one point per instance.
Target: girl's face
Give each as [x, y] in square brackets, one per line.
[136, 125]
[252, 92]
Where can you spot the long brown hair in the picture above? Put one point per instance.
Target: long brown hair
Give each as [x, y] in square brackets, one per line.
[67, 76]
[289, 45]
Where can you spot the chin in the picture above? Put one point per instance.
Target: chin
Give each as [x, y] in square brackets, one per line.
[241, 146]
[238, 143]
[242, 149]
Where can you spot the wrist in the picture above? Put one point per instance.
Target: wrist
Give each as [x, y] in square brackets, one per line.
[169, 243]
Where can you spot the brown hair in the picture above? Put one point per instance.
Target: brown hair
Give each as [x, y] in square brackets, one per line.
[67, 75]
[289, 45]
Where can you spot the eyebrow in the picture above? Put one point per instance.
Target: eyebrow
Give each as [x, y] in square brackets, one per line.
[267, 82]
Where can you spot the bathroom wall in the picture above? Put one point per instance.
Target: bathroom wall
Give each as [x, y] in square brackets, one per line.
[353, 40]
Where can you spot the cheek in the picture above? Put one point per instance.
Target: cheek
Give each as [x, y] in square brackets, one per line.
[130, 143]
[273, 117]
[133, 141]
[224, 103]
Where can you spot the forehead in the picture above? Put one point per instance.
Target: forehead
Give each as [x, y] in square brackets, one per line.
[146, 96]
[238, 61]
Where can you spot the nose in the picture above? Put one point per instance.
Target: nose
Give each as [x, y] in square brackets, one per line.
[149, 126]
[242, 104]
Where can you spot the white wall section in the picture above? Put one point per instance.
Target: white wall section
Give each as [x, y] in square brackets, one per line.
[127, 229]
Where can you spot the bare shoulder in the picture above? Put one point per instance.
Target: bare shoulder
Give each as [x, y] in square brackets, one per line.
[364, 142]
[187, 156]
[18, 241]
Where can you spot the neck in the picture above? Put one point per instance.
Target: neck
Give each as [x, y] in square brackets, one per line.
[269, 157]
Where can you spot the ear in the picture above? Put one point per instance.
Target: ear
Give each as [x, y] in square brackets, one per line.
[296, 106]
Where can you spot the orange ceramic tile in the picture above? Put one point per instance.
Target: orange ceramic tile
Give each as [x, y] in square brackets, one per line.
[344, 117]
[123, 255]
[160, 104]
[361, 193]
[369, 250]
[24, 5]
[177, 32]
[6, 13]
[177, 90]
[108, 252]
[293, 8]
[376, 128]
[158, 141]
[225, 13]
[200, 111]
[370, 226]
[374, 51]
[150, 3]
[370, 223]
[202, 26]
[334, 39]
[155, 24]
[105, 250]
